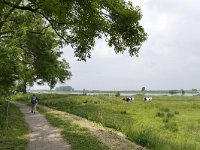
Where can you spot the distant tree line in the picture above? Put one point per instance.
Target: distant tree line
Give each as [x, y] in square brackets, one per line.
[64, 88]
[173, 91]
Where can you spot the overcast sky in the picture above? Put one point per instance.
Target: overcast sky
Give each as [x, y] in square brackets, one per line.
[169, 59]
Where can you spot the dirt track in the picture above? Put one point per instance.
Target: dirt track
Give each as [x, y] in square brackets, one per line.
[42, 135]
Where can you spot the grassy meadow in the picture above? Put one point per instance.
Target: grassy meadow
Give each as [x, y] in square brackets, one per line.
[169, 122]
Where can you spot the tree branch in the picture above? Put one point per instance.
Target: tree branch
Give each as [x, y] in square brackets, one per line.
[5, 36]
[2, 21]
[50, 21]
[30, 8]
[40, 31]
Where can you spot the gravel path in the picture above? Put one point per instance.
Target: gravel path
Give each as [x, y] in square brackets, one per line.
[42, 135]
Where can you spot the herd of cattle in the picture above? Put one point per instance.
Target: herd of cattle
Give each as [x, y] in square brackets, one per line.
[131, 99]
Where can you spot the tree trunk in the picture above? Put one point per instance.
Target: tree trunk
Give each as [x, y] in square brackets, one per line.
[7, 112]
[24, 87]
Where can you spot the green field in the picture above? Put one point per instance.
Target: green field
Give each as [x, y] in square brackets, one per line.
[166, 123]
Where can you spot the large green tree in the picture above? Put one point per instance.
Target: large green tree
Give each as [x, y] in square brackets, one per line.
[38, 52]
[41, 53]
[79, 22]
[9, 69]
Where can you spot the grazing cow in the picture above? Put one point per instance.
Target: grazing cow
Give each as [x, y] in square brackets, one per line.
[128, 99]
[148, 99]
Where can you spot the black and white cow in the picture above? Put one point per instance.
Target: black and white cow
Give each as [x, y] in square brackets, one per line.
[128, 99]
[148, 99]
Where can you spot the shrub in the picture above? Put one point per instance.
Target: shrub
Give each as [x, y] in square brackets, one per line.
[170, 115]
[166, 120]
[173, 92]
[117, 94]
[85, 101]
[165, 109]
[160, 114]
[96, 102]
[123, 112]
[176, 112]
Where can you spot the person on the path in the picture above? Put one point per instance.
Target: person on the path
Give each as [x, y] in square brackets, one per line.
[34, 101]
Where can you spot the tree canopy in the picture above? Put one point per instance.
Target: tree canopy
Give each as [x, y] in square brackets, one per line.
[35, 51]
[78, 22]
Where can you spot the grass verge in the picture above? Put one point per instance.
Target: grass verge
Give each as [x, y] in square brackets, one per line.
[14, 134]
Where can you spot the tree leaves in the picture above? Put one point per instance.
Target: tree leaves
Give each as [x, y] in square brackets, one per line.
[34, 52]
[78, 23]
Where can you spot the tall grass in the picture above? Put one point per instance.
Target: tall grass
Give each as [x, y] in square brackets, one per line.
[14, 130]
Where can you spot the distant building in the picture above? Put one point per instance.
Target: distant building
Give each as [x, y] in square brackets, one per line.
[143, 89]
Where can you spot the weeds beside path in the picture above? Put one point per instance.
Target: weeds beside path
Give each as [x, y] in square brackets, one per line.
[13, 128]
[42, 135]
